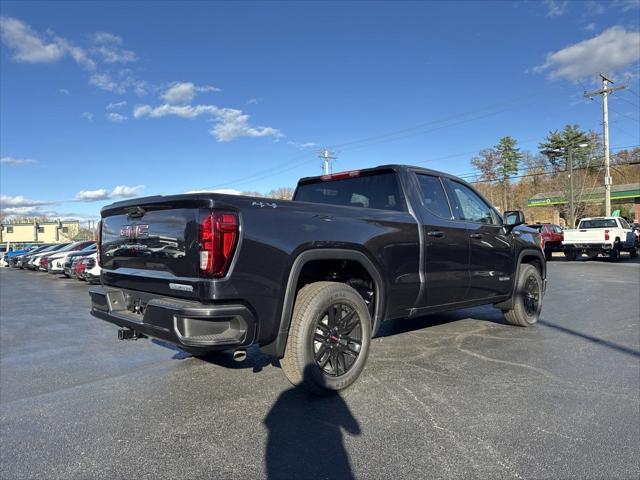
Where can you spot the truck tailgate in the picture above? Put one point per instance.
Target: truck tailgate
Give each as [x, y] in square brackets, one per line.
[155, 248]
[584, 236]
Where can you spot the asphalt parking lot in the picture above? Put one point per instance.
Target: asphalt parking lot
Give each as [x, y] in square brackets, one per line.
[453, 395]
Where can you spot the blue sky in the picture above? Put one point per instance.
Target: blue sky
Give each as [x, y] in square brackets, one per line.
[106, 100]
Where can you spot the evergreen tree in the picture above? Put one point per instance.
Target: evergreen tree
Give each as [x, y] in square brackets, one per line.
[555, 146]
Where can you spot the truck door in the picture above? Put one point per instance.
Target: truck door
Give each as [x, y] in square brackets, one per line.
[491, 262]
[446, 244]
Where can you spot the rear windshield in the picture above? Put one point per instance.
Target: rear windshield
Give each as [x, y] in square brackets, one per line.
[598, 223]
[536, 227]
[379, 191]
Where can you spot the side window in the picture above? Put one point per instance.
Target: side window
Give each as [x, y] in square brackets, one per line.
[470, 207]
[623, 223]
[433, 196]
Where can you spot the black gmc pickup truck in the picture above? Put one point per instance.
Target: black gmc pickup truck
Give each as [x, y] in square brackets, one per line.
[310, 280]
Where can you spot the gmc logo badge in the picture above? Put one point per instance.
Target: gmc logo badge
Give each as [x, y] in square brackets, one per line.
[134, 231]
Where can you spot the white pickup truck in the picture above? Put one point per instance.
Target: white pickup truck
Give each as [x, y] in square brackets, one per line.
[600, 235]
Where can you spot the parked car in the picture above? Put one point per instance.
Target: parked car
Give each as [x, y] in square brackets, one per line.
[34, 260]
[551, 236]
[69, 265]
[44, 259]
[55, 261]
[8, 257]
[16, 261]
[25, 261]
[90, 270]
[600, 235]
[310, 280]
[79, 268]
[3, 252]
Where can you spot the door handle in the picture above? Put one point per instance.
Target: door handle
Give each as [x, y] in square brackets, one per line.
[435, 234]
[476, 236]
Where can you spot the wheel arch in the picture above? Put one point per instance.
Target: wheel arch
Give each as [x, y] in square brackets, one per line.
[277, 347]
[531, 257]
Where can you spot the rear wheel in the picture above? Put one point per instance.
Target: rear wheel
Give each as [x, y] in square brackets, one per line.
[614, 253]
[570, 253]
[329, 338]
[634, 251]
[527, 301]
[548, 253]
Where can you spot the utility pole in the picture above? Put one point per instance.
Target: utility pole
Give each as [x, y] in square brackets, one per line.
[572, 212]
[604, 91]
[326, 157]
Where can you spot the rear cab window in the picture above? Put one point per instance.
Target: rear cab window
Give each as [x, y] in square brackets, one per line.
[377, 190]
[433, 197]
[598, 223]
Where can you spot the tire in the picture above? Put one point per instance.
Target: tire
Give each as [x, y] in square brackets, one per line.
[527, 302]
[319, 342]
[548, 253]
[614, 253]
[571, 254]
[633, 253]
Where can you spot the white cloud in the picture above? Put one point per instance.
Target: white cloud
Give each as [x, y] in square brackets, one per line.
[19, 201]
[30, 47]
[229, 122]
[613, 49]
[302, 146]
[227, 191]
[116, 117]
[106, 38]
[120, 191]
[17, 162]
[105, 82]
[124, 191]
[120, 84]
[77, 53]
[183, 111]
[626, 5]
[555, 8]
[87, 116]
[26, 44]
[232, 124]
[107, 47]
[589, 27]
[254, 101]
[180, 93]
[117, 105]
[92, 195]
[64, 91]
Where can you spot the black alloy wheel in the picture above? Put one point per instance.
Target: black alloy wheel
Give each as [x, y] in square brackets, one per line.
[337, 339]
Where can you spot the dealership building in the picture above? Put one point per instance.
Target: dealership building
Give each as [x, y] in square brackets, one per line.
[39, 232]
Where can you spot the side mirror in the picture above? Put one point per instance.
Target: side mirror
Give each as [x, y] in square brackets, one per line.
[513, 218]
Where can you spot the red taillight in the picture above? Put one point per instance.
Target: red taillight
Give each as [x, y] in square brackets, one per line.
[99, 242]
[43, 262]
[218, 239]
[340, 175]
[606, 234]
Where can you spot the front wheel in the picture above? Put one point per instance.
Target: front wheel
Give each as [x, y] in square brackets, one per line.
[329, 338]
[527, 301]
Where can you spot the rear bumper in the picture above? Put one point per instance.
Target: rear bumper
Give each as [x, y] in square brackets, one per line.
[590, 246]
[190, 325]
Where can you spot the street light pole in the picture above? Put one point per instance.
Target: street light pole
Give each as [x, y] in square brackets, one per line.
[569, 166]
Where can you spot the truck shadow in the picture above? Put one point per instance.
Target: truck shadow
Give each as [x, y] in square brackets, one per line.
[399, 326]
[305, 436]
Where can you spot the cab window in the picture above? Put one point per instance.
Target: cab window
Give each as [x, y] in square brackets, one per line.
[433, 196]
[468, 206]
